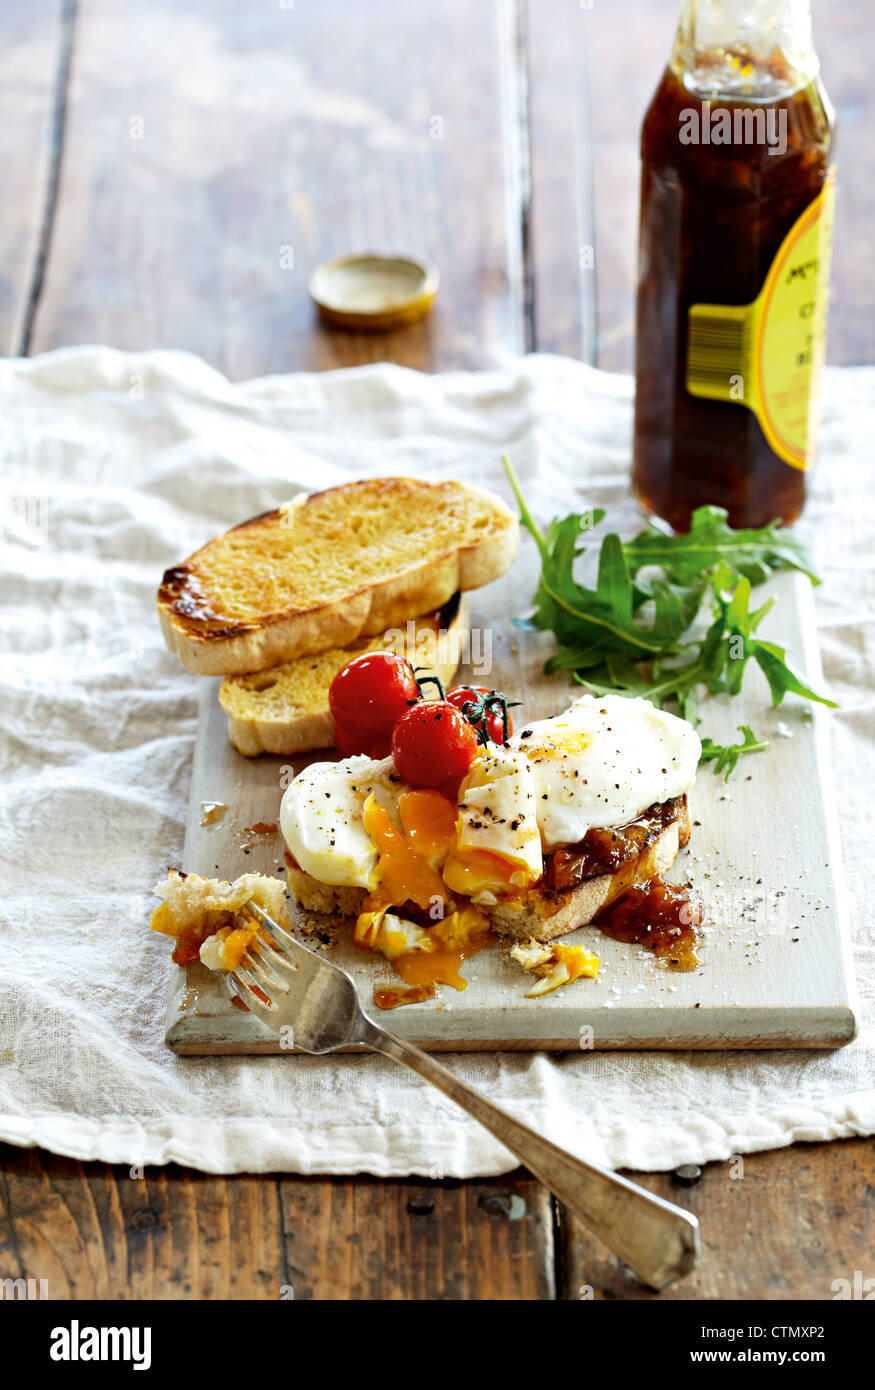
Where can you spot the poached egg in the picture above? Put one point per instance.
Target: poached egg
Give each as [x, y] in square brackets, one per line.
[322, 818]
[603, 762]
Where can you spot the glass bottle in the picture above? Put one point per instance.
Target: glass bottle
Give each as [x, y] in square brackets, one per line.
[736, 218]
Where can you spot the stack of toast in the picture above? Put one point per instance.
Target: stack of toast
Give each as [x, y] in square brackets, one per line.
[278, 604]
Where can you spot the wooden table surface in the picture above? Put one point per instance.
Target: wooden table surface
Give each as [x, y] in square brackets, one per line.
[171, 174]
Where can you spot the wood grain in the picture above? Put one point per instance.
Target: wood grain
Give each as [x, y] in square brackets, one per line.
[95, 1231]
[34, 35]
[366, 1239]
[621, 77]
[204, 147]
[589, 85]
[781, 1225]
[776, 1226]
[560, 241]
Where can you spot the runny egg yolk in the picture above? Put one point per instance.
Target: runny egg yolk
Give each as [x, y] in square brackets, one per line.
[426, 955]
[472, 871]
[441, 967]
[403, 873]
[428, 821]
[236, 944]
[461, 934]
[577, 961]
[408, 864]
[562, 741]
[432, 968]
[423, 860]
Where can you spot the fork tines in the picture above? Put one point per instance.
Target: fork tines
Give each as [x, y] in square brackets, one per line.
[266, 969]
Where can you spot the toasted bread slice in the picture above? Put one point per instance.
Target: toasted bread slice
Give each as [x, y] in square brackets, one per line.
[285, 708]
[331, 568]
[543, 915]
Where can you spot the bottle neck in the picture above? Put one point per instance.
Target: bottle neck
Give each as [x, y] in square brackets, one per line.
[756, 50]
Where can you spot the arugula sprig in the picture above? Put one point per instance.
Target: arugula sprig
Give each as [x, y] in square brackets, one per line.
[754, 553]
[632, 634]
[726, 755]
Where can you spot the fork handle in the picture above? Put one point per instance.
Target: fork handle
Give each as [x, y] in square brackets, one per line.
[656, 1239]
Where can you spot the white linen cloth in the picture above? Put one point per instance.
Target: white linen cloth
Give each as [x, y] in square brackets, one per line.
[115, 465]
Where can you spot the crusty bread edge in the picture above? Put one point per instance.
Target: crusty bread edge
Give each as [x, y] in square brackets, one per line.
[372, 609]
[307, 732]
[538, 919]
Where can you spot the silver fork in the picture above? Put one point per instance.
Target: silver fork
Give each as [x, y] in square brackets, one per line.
[314, 1006]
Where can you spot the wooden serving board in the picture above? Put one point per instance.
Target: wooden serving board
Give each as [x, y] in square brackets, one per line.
[776, 969]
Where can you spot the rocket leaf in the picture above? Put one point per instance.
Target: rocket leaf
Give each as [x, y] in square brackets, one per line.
[754, 552]
[636, 634]
[726, 755]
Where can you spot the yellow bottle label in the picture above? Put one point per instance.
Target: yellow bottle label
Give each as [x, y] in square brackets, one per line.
[768, 355]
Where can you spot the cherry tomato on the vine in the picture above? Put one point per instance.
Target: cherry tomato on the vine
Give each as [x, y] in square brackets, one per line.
[433, 745]
[371, 745]
[367, 696]
[461, 695]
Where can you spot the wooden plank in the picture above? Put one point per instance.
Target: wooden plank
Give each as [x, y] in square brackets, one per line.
[201, 141]
[560, 244]
[95, 1231]
[783, 1225]
[587, 77]
[588, 88]
[365, 1239]
[34, 38]
[621, 76]
[775, 971]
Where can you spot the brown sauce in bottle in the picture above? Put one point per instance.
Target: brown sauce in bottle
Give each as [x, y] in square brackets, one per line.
[713, 217]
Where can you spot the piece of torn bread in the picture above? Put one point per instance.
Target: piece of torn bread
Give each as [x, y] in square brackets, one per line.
[543, 914]
[285, 708]
[330, 568]
[193, 908]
